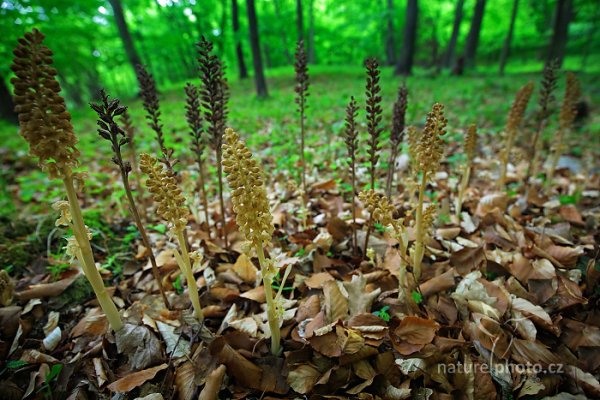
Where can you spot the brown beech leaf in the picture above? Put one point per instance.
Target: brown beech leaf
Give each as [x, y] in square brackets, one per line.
[309, 308]
[244, 268]
[491, 202]
[213, 384]
[438, 283]
[140, 344]
[467, 259]
[316, 281]
[568, 294]
[416, 330]
[570, 213]
[244, 371]
[565, 255]
[338, 228]
[336, 305]
[585, 380]
[359, 299]
[131, 381]
[46, 289]
[303, 378]
[257, 294]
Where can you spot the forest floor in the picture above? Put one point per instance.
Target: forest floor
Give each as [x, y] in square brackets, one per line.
[514, 283]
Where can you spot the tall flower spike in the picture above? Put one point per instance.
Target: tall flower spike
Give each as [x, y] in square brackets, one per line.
[152, 107]
[397, 133]
[515, 118]
[250, 203]
[373, 110]
[430, 148]
[249, 196]
[45, 124]
[471, 143]
[165, 193]
[545, 101]
[301, 89]
[351, 139]
[470, 147]
[214, 94]
[568, 112]
[43, 116]
[194, 120]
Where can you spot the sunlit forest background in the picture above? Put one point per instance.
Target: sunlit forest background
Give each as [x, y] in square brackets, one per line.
[92, 50]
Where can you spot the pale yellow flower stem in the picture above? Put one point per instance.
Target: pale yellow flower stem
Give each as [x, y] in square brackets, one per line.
[419, 249]
[87, 258]
[271, 314]
[186, 268]
[505, 158]
[464, 183]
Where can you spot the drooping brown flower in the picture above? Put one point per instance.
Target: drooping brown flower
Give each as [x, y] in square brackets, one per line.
[471, 143]
[430, 148]
[43, 116]
[568, 110]
[373, 109]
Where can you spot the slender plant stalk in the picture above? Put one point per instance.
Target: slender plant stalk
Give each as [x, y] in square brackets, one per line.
[87, 256]
[253, 216]
[373, 110]
[549, 82]
[111, 131]
[396, 135]
[428, 153]
[301, 89]
[351, 139]
[514, 120]
[419, 245]
[567, 115]
[194, 120]
[46, 125]
[130, 132]
[171, 207]
[214, 95]
[470, 144]
[267, 283]
[186, 268]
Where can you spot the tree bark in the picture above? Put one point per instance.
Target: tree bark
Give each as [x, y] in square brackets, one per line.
[390, 44]
[7, 107]
[458, 14]
[259, 75]
[243, 71]
[560, 34]
[311, 33]
[474, 31]
[132, 54]
[407, 54]
[509, 36]
[282, 32]
[299, 20]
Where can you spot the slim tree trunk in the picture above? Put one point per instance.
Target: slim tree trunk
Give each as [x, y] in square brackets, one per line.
[132, 54]
[311, 32]
[474, 31]
[458, 14]
[407, 54]
[259, 75]
[282, 32]
[560, 34]
[390, 45]
[238, 40]
[509, 36]
[7, 107]
[299, 20]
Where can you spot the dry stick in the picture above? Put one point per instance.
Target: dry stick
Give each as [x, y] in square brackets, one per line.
[108, 129]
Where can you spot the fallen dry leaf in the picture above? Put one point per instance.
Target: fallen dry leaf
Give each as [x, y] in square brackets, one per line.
[133, 380]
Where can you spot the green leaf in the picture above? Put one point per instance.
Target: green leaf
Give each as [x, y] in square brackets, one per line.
[54, 371]
[16, 364]
[417, 297]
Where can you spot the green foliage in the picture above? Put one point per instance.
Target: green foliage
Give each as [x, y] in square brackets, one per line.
[178, 285]
[383, 313]
[417, 297]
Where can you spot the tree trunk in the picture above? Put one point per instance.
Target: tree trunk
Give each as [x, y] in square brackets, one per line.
[282, 32]
[7, 107]
[458, 14]
[509, 36]
[390, 45]
[590, 36]
[238, 41]
[311, 33]
[474, 31]
[560, 34]
[299, 20]
[407, 54]
[259, 75]
[132, 55]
